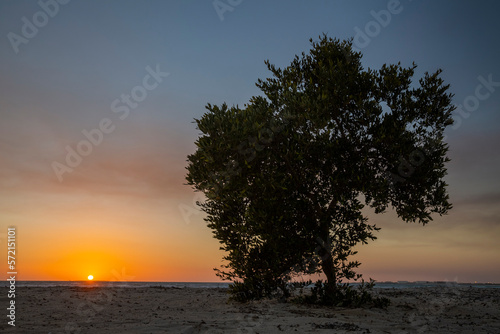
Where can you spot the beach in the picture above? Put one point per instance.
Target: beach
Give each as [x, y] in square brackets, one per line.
[96, 310]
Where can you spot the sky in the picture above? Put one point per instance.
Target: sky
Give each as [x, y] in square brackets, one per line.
[97, 101]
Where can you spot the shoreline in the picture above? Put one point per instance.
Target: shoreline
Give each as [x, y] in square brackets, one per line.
[447, 309]
[225, 284]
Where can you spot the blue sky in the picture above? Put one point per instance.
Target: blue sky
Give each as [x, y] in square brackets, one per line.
[65, 78]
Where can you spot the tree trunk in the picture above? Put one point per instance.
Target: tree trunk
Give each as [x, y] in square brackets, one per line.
[325, 253]
[328, 268]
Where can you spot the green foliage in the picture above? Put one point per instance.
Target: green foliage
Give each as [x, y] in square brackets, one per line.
[343, 295]
[287, 176]
[252, 288]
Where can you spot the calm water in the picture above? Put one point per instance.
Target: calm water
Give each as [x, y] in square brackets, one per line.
[44, 284]
[382, 285]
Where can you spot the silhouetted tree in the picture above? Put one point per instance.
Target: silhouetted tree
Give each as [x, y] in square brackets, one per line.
[286, 176]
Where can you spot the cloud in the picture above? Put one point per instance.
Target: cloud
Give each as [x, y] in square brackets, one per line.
[488, 199]
[140, 159]
[474, 152]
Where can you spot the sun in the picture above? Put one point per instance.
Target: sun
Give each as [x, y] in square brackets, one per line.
[90, 277]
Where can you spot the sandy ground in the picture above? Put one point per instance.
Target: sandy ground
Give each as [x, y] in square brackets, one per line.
[188, 310]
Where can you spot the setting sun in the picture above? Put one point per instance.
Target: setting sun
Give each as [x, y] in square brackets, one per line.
[90, 277]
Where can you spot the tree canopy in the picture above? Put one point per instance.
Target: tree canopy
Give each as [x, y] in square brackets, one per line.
[286, 177]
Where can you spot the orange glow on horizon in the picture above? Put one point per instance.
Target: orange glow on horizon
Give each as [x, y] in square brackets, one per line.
[171, 250]
[118, 252]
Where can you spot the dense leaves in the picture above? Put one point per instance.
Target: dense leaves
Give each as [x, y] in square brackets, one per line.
[286, 177]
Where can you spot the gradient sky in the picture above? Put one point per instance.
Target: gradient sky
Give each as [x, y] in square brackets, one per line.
[123, 211]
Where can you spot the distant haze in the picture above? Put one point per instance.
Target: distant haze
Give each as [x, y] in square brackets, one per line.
[97, 106]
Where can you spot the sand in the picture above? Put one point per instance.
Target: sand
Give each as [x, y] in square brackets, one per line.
[195, 310]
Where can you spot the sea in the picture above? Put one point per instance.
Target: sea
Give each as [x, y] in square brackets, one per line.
[223, 285]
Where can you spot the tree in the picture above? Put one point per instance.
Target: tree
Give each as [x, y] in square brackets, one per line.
[286, 176]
